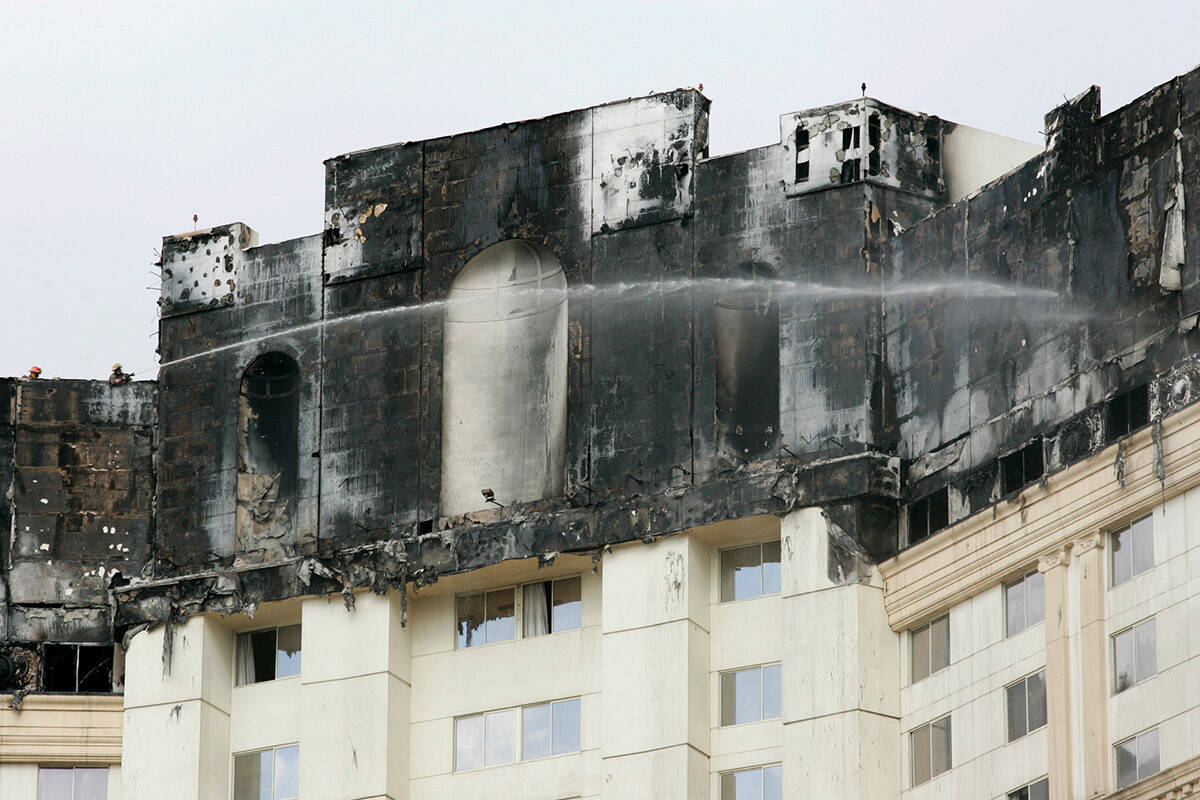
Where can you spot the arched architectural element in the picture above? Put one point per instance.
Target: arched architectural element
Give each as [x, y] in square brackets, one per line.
[267, 463]
[747, 347]
[504, 395]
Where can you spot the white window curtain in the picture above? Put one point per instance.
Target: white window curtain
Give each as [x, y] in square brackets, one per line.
[537, 608]
[245, 660]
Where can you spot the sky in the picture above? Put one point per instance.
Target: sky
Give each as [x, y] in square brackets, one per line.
[120, 120]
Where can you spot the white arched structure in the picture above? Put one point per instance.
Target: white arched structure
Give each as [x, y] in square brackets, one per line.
[504, 379]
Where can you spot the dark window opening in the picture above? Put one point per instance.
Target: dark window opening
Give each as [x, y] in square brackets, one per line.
[268, 449]
[746, 333]
[928, 515]
[1023, 467]
[1127, 412]
[850, 170]
[802, 155]
[933, 147]
[847, 138]
[75, 668]
[874, 140]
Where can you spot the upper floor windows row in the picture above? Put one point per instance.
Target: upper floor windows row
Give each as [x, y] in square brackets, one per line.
[543, 607]
[750, 571]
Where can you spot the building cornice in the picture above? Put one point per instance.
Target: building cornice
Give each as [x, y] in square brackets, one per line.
[1180, 781]
[1068, 511]
[66, 730]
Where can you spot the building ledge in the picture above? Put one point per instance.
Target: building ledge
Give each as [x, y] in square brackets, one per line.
[58, 729]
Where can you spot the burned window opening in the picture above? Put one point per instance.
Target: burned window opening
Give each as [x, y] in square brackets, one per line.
[803, 154]
[268, 448]
[928, 515]
[1126, 412]
[874, 141]
[77, 668]
[850, 170]
[746, 334]
[1021, 468]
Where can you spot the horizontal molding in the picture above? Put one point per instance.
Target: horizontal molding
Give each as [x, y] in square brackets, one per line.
[78, 730]
[1011, 536]
[1181, 780]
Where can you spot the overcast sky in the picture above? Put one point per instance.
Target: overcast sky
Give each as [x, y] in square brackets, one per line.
[121, 120]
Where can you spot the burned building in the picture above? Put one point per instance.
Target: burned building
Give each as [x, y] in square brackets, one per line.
[568, 460]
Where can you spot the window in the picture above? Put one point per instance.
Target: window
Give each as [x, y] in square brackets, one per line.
[1025, 602]
[72, 783]
[77, 668]
[930, 746]
[802, 154]
[1038, 790]
[551, 606]
[1023, 467]
[546, 729]
[268, 449]
[486, 617]
[1137, 758]
[1134, 655]
[1026, 705]
[750, 695]
[757, 783]
[267, 774]
[875, 141]
[930, 648]
[1126, 412]
[268, 654]
[746, 338]
[1132, 550]
[928, 515]
[750, 571]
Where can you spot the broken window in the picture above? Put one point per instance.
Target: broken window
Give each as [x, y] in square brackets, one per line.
[272, 774]
[746, 336]
[1026, 701]
[486, 617]
[1135, 655]
[930, 749]
[72, 783]
[803, 154]
[73, 668]
[930, 646]
[1023, 467]
[551, 606]
[756, 783]
[268, 654]
[1132, 549]
[751, 695]
[928, 515]
[1126, 412]
[1024, 602]
[875, 142]
[1038, 790]
[750, 571]
[504, 379]
[1137, 758]
[268, 416]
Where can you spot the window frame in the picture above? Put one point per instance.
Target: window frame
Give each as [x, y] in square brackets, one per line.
[912, 750]
[721, 600]
[275, 675]
[1131, 630]
[519, 608]
[912, 633]
[760, 768]
[1136, 739]
[233, 757]
[1023, 582]
[518, 590]
[106, 650]
[762, 693]
[73, 769]
[1044, 779]
[518, 734]
[1112, 558]
[1024, 682]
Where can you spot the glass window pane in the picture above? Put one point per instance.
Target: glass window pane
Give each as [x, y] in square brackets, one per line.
[1035, 598]
[91, 783]
[920, 653]
[1017, 713]
[287, 652]
[748, 784]
[468, 743]
[1122, 564]
[939, 743]
[501, 615]
[728, 786]
[1014, 606]
[566, 727]
[95, 668]
[770, 568]
[920, 755]
[773, 783]
[1123, 668]
[748, 688]
[939, 644]
[1040, 790]
[1019, 794]
[741, 573]
[262, 647]
[470, 620]
[287, 773]
[568, 605]
[1126, 763]
[772, 699]
[252, 776]
[728, 698]
[55, 784]
[1035, 693]
[498, 737]
[535, 731]
[1143, 545]
[1147, 754]
[1146, 656]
